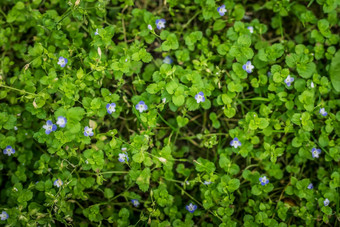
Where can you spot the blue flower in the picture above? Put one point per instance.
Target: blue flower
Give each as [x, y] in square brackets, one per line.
[221, 10]
[4, 216]
[289, 80]
[111, 107]
[326, 202]
[88, 131]
[167, 60]
[9, 150]
[207, 182]
[141, 106]
[61, 121]
[248, 67]
[150, 27]
[160, 23]
[200, 97]
[62, 62]
[49, 127]
[310, 186]
[235, 143]
[316, 152]
[123, 157]
[58, 183]
[251, 29]
[135, 202]
[96, 33]
[264, 180]
[323, 112]
[191, 207]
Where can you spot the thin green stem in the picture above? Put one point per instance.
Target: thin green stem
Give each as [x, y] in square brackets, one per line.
[15, 89]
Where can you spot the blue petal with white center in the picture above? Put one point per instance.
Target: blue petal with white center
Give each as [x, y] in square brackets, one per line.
[200, 97]
[160, 23]
[111, 108]
[4, 216]
[135, 202]
[289, 80]
[235, 143]
[263, 180]
[141, 107]
[251, 29]
[326, 202]
[248, 67]
[191, 208]
[310, 186]
[61, 122]
[123, 157]
[323, 112]
[9, 150]
[58, 183]
[62, 62]
[49, 127]
[167, 60]
[316, 152]
[221, 10]
[88, 131]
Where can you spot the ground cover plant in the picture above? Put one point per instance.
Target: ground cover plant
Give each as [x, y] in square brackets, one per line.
[169, 113]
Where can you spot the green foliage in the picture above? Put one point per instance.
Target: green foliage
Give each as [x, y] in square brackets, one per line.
[210, 128]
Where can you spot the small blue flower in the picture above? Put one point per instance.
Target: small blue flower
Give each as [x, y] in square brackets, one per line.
[61, 121]
[58, 183]
[62, 62]
[200, 97]
[96, 33]
[111, 107]
[88, 131]
[316, 152]
[167, 60]
[4, 216]
[160, 23]
[49, 127]
[221, 10]
[326, 202]
[207, 182]
[264, 180]
[310, 186]
[150, 27]
[289, 80]
[191, 207]
[323, 112]
[251, 29]
[235, 143]
[9, 150]
[141, 106]
[135, 202]
[123, 157]
[248, 67]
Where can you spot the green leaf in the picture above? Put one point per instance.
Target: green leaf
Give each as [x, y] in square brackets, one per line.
[143, 180]
[219, 25]
[334, 71]
[306, 70]
[178, 100]
[233, 185]
[182, 121]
